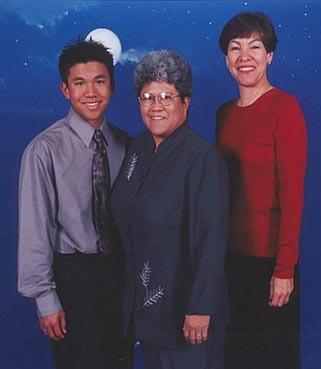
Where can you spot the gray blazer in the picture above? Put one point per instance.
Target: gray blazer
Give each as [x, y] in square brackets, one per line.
[171, 209]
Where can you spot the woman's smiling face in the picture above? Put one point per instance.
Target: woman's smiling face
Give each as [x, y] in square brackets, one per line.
[247, 61]
[159, 119]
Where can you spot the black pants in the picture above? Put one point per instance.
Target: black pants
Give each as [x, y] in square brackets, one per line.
[90, 288]
[260, 337]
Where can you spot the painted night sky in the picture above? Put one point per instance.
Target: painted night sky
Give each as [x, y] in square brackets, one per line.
[33, 32]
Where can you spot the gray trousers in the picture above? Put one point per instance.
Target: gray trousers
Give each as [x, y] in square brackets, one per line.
[209, 355]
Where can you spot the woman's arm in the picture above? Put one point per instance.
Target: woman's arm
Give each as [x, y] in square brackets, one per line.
[291, 156]
[207, 202]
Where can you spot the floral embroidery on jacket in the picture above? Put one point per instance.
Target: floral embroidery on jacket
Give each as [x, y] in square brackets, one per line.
[154, 295]
[132, 161]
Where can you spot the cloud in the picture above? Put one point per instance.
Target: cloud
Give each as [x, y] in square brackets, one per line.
[3, 85]
[27, 110]
[48, 61]
[131, 56]
[41, 13]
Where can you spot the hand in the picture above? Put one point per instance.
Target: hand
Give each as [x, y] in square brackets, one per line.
[280, 291]
[54, 325]
[196, 328]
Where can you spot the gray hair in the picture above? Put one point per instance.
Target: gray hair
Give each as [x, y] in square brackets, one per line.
[164, 65]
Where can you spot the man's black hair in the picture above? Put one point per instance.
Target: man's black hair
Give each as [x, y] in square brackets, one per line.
[82, 51]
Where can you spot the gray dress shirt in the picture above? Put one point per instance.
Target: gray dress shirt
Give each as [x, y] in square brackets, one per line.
[55, 202]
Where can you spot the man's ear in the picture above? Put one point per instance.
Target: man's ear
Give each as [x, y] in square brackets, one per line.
[65, 90]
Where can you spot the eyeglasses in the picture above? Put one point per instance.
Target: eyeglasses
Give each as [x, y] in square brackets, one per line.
[163, 98]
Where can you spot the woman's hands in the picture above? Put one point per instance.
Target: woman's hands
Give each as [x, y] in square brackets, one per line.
[280, 291]
[196, 328]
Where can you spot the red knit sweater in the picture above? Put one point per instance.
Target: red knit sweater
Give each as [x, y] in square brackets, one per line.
[264, 145]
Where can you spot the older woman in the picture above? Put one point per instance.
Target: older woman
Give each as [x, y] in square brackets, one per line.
[170, 205]
[262, 136]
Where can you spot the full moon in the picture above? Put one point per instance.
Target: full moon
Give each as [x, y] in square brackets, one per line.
[109, 39]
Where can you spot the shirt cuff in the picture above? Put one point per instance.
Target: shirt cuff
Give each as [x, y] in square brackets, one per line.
[48, 304]
[284, 273]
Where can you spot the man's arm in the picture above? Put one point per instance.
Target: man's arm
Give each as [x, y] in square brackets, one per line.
[37, 229]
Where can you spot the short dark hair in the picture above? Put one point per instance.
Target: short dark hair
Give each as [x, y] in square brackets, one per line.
[83, 51]
[244, 24]
[164, 65]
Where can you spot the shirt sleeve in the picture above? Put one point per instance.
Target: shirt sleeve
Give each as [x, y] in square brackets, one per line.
[37, 229]
[207, 196]
[291, 156]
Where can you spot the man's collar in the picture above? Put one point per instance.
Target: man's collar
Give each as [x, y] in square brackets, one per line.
[83, 129]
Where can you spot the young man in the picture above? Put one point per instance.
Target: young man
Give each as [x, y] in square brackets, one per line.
[69, 258]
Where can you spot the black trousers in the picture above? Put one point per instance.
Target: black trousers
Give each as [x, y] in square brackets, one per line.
[90, 288]
[260, 337]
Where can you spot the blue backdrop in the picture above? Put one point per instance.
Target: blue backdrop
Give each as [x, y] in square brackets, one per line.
[32, 33]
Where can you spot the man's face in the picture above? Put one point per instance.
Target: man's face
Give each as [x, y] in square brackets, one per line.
[89, 91]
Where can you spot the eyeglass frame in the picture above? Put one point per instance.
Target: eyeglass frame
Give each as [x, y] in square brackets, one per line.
[158, 97]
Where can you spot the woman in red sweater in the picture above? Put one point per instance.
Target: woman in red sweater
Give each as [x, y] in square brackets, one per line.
[262, 137]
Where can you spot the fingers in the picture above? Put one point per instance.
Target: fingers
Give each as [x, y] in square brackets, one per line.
[63, 323]
[57, 334]
[278, 301]
[195, 337]
[271, 295]
[54, 326]
[196, 328]
[280, 291]
[201, 337]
